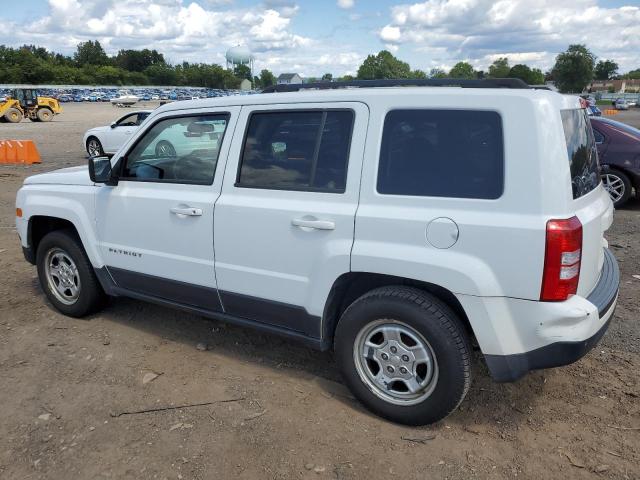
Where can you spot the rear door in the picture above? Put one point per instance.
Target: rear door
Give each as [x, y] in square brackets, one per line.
[284, 222]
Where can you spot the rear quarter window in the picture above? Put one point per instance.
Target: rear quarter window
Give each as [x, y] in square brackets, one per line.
[442, 153]
[581, 150]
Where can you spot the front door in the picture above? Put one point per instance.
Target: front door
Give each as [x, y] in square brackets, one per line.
[285, 219]
[155, 227]
[120, 132]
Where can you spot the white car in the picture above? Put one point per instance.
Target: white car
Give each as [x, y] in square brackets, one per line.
[108, 139]
[396, 226]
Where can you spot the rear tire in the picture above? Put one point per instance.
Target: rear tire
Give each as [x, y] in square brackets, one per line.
[94, 147]
[404, 354]
[13, 115]
[618, 185]
[44, 114]
[66, 275]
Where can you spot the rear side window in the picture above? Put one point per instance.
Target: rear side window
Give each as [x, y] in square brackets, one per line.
[582, 151]
[302, 150]
[442, 153]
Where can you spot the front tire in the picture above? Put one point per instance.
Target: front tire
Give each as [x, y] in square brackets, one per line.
[44, 114]
[618, 185]
[66, 275]
[404, 354]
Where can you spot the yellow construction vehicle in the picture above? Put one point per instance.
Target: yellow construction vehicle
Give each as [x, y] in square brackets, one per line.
[25, 102]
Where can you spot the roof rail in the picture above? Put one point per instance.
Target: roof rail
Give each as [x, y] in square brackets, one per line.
[403, 82]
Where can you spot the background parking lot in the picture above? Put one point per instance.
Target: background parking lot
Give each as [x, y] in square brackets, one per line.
[256, 406]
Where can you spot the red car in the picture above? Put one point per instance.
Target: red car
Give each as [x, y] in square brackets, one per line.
[619, 149]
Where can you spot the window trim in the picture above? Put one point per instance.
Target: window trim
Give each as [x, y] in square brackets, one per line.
[123, 159]
[342, 191]
[444, 197]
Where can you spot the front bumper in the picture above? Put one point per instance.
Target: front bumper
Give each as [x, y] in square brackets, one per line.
[508, 368]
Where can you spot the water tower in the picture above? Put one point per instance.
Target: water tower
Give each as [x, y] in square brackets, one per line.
[239, 55]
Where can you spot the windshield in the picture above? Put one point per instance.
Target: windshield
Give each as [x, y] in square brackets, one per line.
[582, 151]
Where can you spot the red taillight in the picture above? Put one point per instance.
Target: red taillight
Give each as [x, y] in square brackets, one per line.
[561, 260]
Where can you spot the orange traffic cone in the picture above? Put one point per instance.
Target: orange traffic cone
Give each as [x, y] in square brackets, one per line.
[19, 151]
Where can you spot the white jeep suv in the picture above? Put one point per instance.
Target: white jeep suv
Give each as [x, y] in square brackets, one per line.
[395, 222]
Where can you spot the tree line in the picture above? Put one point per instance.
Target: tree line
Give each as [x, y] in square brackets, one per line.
[90, 65]
[574, 69]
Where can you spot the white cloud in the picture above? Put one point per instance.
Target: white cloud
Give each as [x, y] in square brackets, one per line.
[532, 31]
[346, 3]
[189, 30]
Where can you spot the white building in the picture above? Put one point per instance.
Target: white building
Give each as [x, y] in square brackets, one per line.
[289, 79]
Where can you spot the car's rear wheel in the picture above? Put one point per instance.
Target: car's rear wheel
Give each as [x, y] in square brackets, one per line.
[66, 275]
[94, 147]
[404, 354]
[618, 185]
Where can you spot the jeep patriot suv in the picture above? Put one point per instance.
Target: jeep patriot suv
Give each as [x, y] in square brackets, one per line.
[395, 222]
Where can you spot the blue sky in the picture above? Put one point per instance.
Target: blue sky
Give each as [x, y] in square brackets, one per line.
[317, 36]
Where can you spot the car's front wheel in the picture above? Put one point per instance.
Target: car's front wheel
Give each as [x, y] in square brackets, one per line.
[404, 354]
[66, 275]
[94, 147]
[618, 185]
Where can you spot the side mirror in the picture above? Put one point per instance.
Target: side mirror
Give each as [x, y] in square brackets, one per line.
[114, 124]
[100, 171]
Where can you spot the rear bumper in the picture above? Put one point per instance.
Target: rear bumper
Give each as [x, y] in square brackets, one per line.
[508, 368]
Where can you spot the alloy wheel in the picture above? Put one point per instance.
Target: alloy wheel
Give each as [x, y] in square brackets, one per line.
[396, 362]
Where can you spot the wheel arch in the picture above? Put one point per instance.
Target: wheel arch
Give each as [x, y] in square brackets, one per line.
[352, 285]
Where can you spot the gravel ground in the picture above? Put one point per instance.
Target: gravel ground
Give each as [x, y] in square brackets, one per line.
[274, 409]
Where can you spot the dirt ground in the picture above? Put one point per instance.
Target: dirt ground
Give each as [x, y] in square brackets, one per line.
[273, 409]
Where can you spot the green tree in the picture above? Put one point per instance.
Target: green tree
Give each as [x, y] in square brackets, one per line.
[499, 68]
[528, 75]
[437, 73]
[605, 70]
[633, 74]
[418, 74]
[462, 70]
[242, 72]
[573, 69]
[108, 75]
[267, 78]
[138, 60]
[327, 77]
[383, 65]
[90, 53]
[161, 75]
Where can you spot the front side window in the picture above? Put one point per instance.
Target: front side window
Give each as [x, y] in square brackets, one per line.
[178, 150]
[581, 150]
[132, 120]
[442, 153]
[303, 150]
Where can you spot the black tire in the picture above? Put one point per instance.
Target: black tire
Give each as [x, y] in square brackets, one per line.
[44, 114]
[93, 142]
[91, 297]
[614, 175]
[13, 115]
[436, 323]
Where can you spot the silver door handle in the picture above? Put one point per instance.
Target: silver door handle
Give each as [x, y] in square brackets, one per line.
[315, 224]
[188, 211]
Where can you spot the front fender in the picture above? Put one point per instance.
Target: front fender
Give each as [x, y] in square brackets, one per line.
[75, 204]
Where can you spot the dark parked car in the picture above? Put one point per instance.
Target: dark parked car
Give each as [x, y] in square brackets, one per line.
[619, 149]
